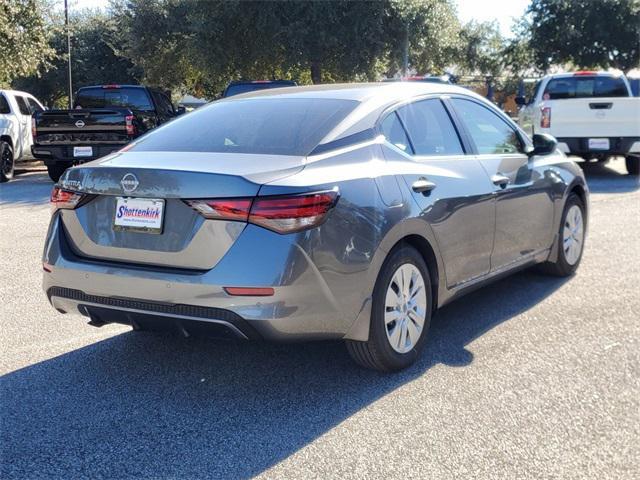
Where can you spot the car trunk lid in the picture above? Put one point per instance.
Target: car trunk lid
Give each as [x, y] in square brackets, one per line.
[186, 239]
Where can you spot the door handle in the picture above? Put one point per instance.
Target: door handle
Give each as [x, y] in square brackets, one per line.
[500, 180]
[422, 185]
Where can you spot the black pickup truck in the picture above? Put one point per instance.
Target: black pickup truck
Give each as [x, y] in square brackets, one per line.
[105, 118]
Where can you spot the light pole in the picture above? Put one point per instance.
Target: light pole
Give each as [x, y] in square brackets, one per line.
[66, 22]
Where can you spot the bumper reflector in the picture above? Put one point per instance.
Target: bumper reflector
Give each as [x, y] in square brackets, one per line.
[249, 292]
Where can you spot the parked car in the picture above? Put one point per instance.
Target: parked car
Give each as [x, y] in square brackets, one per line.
[16, 109]
[245, 86]
[105, 119]
[327, 212]
[592, 114]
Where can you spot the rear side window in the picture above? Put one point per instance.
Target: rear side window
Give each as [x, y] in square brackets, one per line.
[394, 132]
[4, 104]
[134, 98]
[35, 107]
[488, 131]
[430, 128]
[585, 87]
[22, 106]
[284, 126]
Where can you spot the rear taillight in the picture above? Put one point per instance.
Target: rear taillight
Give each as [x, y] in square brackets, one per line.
[34, 131]
[292, 213]
[223, 209]
[282, 214]
[65, 199]
[129, 125]
[545, 118]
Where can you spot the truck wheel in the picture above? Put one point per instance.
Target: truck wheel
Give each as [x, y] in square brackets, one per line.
[7, 162]
[633, 164]
[55, 171]
[400, 314]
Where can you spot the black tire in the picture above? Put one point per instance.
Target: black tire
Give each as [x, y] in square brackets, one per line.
[55, 172]
[7, 162]
[633, 164]
[377, 353]
[561, 267]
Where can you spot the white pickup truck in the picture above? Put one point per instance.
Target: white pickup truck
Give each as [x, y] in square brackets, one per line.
[592, 115]
[16, 109]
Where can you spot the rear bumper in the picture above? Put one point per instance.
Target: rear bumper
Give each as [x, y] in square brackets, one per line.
[63, 154]
[617, 146]
[144, 315]
[302, 307]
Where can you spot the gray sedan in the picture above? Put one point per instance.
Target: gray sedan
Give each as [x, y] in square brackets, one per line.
[329, 212]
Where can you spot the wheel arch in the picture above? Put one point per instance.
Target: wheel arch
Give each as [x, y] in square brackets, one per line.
[8, 139]
[416, 233]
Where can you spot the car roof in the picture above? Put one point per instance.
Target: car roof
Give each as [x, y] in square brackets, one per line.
[373, 99]
[361, 92]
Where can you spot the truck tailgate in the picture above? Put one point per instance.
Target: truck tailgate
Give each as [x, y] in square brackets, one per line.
[594, 117]
[82, 126]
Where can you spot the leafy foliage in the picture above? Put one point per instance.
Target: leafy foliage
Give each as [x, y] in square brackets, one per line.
[586, 33]
[24, 39]
[94, 60]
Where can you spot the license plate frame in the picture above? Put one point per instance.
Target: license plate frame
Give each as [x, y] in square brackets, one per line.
[134, 214]
[599, 144]
[82, 152]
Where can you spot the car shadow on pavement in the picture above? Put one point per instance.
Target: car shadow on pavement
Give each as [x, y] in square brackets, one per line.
[33, 188]
[148, 405]
[602, 178]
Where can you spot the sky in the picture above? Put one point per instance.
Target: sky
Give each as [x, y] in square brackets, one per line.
[480, 10]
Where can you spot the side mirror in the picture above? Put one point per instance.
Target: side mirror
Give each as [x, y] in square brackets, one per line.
[181, 110]
[543, 144]
[521, 101]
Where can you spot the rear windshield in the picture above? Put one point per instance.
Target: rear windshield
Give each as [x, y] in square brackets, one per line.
[585, 87]
[251, 87]
[284, 126]
[134, 98]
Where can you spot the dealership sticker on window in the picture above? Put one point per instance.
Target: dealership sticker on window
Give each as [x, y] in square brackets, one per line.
[138, 214]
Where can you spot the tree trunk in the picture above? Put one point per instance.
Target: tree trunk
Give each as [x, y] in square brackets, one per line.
[316, 72]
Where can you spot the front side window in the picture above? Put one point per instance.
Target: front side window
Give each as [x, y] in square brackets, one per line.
[430, 128]
[489, 132]
[278, 126]
[394, 132]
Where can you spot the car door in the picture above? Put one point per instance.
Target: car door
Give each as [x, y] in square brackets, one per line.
[451, 189]
[34, 107]
[24, 121]
[524, 206]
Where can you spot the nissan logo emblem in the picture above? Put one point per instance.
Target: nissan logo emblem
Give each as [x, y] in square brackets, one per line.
[79, 124]
[129, 183]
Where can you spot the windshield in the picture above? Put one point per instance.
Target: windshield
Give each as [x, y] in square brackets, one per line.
[585, 87]
[239, 88]
[132, 97]
[283, 126]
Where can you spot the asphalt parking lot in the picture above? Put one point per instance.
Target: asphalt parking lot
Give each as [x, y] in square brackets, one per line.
[532, 377]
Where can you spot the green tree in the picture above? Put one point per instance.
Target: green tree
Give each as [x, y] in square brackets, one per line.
[422, 33]
[95, 59]
[481, 47]
[24, 37]
[586, 33]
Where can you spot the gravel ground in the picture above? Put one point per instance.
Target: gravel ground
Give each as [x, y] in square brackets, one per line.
[532, 377]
